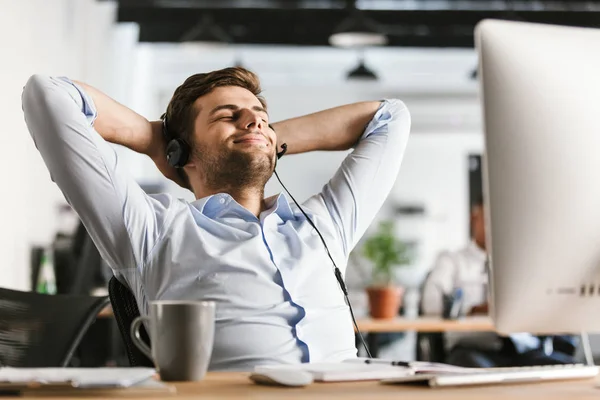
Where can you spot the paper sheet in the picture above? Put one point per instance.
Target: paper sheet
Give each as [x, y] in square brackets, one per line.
[77, 377]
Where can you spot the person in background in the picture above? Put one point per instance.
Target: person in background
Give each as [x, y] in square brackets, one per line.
[466, 269]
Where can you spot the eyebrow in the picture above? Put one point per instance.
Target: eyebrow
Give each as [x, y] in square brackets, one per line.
[233, 107]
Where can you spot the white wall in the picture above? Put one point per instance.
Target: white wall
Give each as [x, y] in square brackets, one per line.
[58, 37]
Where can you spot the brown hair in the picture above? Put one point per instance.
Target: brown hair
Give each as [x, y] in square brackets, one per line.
[181, 113]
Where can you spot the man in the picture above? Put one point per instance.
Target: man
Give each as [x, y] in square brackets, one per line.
[466, 269]
[259, 259]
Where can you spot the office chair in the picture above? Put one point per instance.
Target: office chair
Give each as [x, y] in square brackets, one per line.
[39, 330]
[430, 345]
[126, 310]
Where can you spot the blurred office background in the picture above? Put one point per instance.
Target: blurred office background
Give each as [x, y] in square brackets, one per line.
[138, 51]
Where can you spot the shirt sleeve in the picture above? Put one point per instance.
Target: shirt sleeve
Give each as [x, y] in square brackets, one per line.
[364, 180]
[440, 280]
[122, 220]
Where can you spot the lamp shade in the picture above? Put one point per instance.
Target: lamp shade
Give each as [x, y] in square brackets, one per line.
[361, 72]
[357, 31]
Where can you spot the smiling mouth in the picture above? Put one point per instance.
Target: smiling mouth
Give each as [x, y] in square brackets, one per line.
[250, 140]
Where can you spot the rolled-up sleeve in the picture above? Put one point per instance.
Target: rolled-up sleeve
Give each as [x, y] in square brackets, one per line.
[122, 220]
[364, 180]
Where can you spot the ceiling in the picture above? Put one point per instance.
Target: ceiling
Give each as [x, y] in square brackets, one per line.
[407, 23]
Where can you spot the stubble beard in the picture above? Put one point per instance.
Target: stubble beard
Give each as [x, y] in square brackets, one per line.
[231, 170]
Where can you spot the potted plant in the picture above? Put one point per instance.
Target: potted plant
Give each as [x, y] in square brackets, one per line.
[387, 253]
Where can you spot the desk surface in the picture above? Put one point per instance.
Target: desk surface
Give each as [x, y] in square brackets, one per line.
[426, 324]
[235, 385]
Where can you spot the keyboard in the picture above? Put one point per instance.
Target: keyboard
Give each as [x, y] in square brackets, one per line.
[488, 376]
[556, 367]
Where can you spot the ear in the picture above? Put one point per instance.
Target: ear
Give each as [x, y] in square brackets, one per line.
[191, 162]
[189, 167]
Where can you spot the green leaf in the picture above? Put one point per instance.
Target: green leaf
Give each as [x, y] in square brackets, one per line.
[386, 252]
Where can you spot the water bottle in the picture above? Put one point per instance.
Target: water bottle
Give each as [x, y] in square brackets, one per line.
[46, 282]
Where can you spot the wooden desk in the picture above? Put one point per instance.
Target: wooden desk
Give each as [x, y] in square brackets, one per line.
[234, 385]
[420, 324]
[426, 324]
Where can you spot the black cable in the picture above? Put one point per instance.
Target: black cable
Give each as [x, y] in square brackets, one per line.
[337, 272]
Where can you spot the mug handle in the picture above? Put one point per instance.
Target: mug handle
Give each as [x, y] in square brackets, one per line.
[134, 331]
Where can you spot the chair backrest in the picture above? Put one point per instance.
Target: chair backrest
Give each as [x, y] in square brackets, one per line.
[126, 310]
[431, 346]
[39, 330]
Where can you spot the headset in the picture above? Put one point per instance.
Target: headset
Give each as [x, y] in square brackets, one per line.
[178, 150]
[178, 154]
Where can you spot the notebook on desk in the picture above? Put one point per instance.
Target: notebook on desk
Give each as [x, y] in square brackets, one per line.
[340, 372]
[360, 369]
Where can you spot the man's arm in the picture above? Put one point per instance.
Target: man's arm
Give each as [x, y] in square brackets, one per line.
[379, 133]
[120, 125]
[122, 220]
[440, 281]
[338, 128]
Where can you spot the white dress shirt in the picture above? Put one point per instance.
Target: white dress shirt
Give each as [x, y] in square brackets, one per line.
[277, 298]
[465, 269]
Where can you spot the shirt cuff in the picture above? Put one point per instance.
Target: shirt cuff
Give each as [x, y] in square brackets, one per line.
[88, 108]
[383, 116]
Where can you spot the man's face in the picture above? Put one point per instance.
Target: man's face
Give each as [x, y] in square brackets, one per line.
[233, 144]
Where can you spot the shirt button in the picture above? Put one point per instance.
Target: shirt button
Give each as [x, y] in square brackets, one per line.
[222, 200]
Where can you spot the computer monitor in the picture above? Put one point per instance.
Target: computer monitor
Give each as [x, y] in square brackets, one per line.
[541, 103]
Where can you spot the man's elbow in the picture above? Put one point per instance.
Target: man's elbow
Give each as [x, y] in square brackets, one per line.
[34, 92]
[41, 101]
[34, 87]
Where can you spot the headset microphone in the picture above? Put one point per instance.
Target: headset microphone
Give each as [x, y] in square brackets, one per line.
[283, 150]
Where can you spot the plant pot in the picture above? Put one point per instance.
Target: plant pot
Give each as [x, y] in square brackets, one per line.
[384, 301]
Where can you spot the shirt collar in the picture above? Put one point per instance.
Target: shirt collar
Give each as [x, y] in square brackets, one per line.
[282, 206]
[216, 205]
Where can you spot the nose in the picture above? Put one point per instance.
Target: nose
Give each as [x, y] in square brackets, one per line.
[252, 120]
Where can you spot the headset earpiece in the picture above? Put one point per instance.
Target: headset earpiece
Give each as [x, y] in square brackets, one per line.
[178, 153]
[283, 150]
